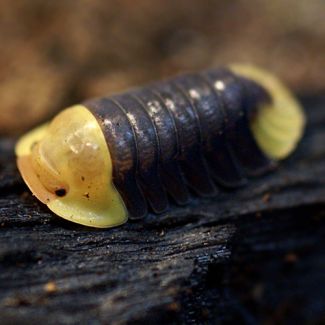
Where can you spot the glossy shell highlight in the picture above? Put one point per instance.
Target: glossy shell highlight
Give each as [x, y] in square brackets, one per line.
[68, 167]
[129, 154]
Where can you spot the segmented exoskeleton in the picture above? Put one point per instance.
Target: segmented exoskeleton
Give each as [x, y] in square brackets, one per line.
[188, 132]
[188, 135]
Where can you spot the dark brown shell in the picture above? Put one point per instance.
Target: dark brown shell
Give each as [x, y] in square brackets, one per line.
[181, 135]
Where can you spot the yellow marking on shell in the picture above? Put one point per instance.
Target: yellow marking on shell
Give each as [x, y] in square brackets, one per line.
[278, 126]
[67, 165]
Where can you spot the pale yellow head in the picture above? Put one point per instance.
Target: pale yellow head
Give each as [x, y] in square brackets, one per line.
[67, 166]
[279, 125]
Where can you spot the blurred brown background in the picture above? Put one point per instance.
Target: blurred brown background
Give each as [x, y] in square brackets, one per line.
[57, 53]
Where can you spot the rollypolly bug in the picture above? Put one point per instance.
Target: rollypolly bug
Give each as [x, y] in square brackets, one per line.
[115, 157]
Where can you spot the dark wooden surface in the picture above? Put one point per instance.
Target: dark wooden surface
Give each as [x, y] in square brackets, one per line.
[253, 255]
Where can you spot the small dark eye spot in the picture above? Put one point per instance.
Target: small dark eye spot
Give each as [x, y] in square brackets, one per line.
[61, 192]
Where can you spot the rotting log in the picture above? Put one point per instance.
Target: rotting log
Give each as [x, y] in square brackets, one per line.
[250, 255]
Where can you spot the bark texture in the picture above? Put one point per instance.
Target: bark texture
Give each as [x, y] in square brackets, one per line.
[254, 254]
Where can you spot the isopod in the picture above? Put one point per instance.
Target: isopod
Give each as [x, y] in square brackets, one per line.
[125, 155]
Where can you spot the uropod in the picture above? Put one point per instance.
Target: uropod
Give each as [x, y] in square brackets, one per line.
[118, 157]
